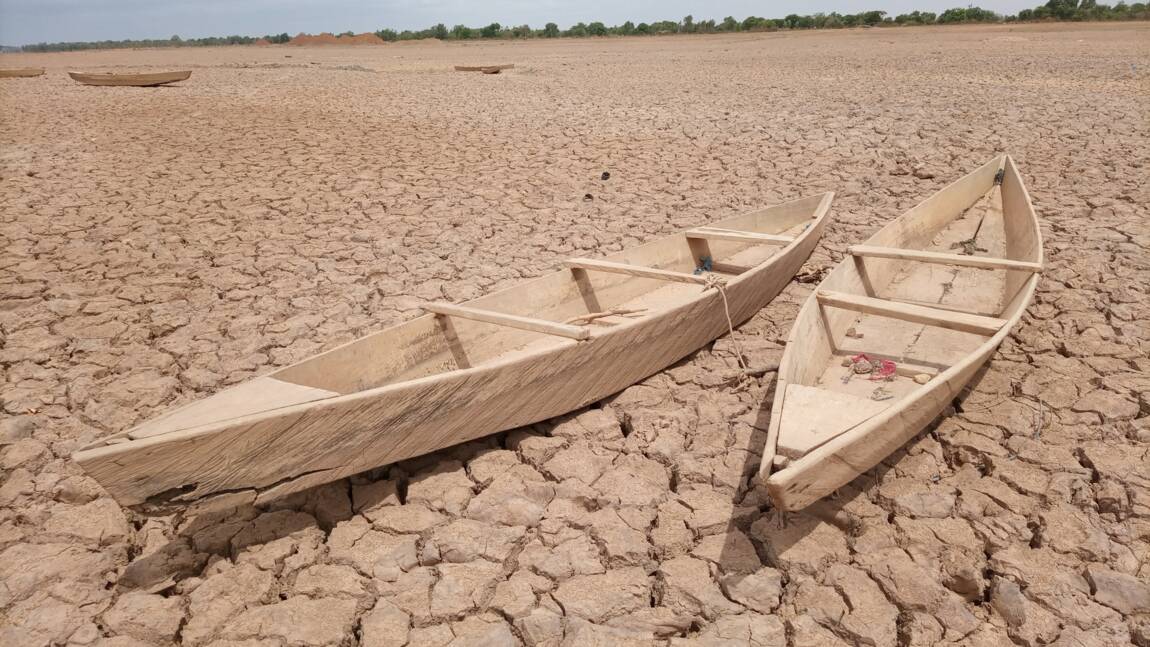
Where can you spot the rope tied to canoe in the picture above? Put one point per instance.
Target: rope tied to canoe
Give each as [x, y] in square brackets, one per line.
[720, 284]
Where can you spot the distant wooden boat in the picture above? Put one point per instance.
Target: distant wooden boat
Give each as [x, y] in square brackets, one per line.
[525, 354]
[486, 69]
[21, 72]
[928, 298]
[135, 80]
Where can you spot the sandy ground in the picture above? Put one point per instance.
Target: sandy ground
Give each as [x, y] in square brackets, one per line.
[160, 244]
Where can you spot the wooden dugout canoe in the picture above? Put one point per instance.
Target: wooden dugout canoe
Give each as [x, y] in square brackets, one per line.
[486, 69]
[134, 80]
[21, 72]
[906, 295]
[495, 363]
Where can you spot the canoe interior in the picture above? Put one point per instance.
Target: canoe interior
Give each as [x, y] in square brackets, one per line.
[1000, 222]
[428, 346]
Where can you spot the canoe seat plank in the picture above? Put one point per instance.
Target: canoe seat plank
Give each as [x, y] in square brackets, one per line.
[637, 270]
[717, 233]
[509, 320]
[817, 415]
[960, 321]
[961, 260]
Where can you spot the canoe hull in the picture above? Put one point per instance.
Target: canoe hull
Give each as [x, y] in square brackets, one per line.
[806, 481]
[21, 73]
[132, 80]
[486, 69]
[843, 458]
[268, 456]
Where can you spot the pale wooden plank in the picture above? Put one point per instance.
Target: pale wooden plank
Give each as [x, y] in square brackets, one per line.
[715, 233]
[812, 416]
[962, 260]
[730, 268]
[512, 321]
[941, 306]
[960, 321]
[639, 271]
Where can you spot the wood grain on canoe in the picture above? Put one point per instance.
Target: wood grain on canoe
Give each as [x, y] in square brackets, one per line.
[999, 226]
[436, 381]
[21, 72]
[135, 80]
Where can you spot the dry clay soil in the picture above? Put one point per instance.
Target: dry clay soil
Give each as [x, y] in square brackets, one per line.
[160, 244]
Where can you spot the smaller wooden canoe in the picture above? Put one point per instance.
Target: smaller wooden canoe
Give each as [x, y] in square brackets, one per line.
[893, 334]
[21, 72]
[134, 80]
[486, 69]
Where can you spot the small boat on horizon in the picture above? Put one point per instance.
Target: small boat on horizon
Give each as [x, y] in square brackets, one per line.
[146, 80]
[533, 351]
[21, 72]
[486, 69]
[897, 329]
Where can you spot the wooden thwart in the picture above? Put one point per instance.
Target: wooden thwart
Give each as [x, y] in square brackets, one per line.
[962, 260]
[643, 272]
[960, 321]
[511, 321]
[718, 233]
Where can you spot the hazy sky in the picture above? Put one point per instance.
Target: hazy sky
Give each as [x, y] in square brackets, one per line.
[31, 21]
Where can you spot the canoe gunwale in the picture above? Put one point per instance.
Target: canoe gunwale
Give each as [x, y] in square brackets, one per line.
[101, 454]
[944, 387]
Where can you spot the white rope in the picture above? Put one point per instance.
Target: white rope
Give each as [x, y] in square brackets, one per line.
[715, 281]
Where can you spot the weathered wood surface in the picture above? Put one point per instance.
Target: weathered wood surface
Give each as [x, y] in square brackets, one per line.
[135, 80]
[486, 69]
[637, 271]
[1007, 227]
[433, 382]
[908, 312]
[714, 233]
[514, 321]
[21, 72]
[983, 262]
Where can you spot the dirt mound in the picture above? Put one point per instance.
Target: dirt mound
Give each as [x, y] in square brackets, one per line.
[330, 39]
[263, 42]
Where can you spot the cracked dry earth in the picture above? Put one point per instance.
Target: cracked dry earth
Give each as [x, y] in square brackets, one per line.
[161, 244]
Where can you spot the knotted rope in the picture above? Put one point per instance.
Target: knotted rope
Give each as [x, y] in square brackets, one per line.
[717, 282]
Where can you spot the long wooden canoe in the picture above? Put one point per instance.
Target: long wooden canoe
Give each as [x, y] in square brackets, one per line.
[509, 359]
[927, 300]
[135, 80]
[21, 72]
[486, 69]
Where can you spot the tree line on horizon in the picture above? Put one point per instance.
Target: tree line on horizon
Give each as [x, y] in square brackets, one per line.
[1053, 10]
